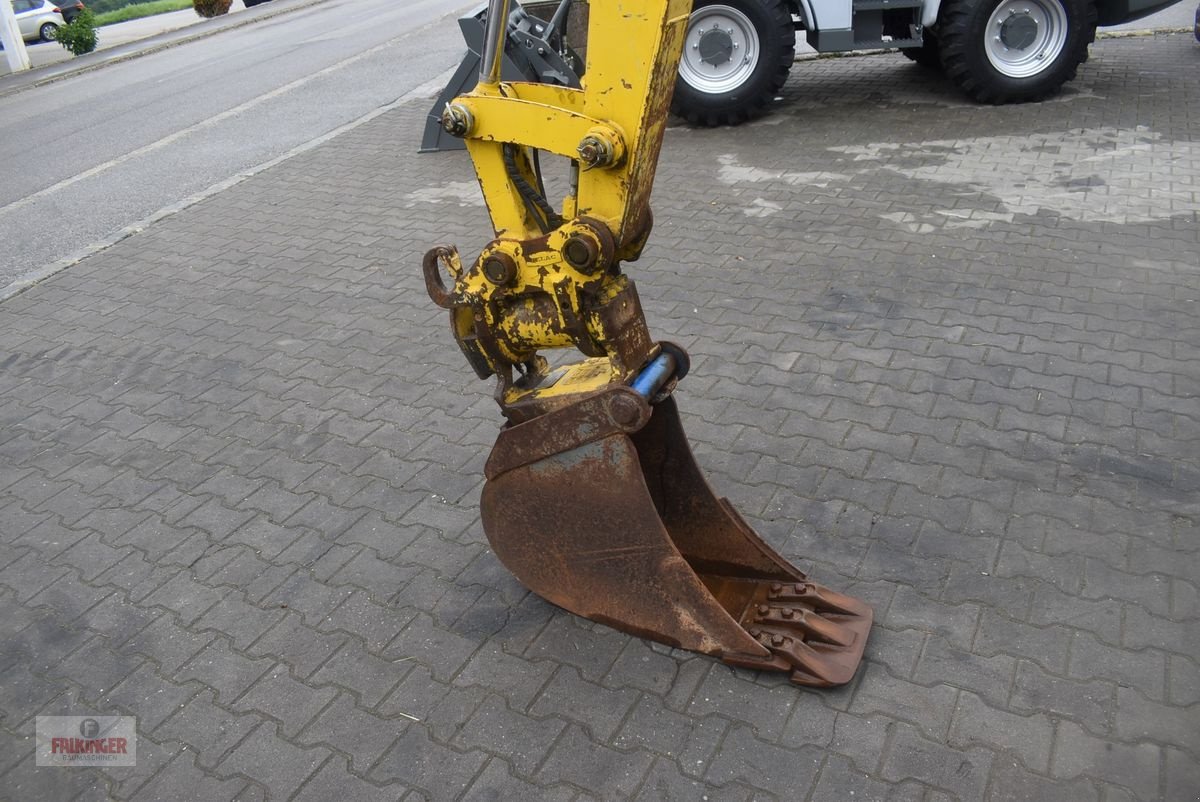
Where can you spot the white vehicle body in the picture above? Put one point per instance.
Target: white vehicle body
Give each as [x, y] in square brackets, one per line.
[37, 19]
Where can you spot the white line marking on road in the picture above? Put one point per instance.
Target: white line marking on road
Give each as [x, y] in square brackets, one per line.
[23, 282]
[183, 132]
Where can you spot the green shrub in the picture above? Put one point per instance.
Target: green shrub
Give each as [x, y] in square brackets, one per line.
[211, 8]
[79, 36]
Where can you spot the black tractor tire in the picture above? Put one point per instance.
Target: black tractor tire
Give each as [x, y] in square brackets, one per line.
[742, 91]
[1049, 41]
[927, 54]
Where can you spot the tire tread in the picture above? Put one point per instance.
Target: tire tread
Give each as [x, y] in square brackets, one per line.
[960, 54]
[755, 103]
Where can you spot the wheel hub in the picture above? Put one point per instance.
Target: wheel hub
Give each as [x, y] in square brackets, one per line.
[716, 46]
[1019, 31]
[1024, 38]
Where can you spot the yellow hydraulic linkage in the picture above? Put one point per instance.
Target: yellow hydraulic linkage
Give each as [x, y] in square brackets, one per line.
[593, 498]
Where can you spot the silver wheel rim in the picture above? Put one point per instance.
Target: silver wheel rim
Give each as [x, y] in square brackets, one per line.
[720, 51]
[1024, 37]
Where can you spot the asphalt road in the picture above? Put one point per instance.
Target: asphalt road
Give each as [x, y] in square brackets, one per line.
[89, 156]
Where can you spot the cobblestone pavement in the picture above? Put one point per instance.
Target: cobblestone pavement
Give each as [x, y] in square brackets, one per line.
[946, 357]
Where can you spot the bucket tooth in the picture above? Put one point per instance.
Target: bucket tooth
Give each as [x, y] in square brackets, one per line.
[605, 513]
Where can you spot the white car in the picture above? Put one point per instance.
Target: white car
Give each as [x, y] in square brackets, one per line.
[37, 19]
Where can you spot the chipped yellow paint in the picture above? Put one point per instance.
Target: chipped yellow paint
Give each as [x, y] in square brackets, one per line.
[622, 103]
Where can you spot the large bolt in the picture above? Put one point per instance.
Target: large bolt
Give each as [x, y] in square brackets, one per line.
[457, 120]
[499, 269]
[624, 410]
[581, 253]
[596, 152]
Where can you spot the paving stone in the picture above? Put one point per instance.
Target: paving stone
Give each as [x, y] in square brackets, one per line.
[638, 666]
[362, 673]
[362, 736]
[727, 692]
[208, 729]
[578, 760]
[28, 576]
[896, 651]
[930, 708]
[23, 694]
[1144, 629]
[333, 781]
[1144, 669]
[272, 761]
[243, 623]
[69, 599]
[148, 696]
[962, 773]
[220, 667]
[989, 677]
[665, 783]
[442, 708]
[1184, 680]
[384, 581]
[956, 623]
[591, 651]
[28, 780]
[1139, 719]
[95, 668]
[934, 379]
[523, 740]
[598, 709]
[653, 727]
[293, 704]
[441, 651]
[1182, 774]
[376, 624]
[1088, 702]
[167, 644]
[1101, 617]
[1047, 646]
[517, 679]
[303, 594]
[977, 722]
[298, 645]
[787, 773]
[152, 758]
[1076, 753]
[839, 779]
[185, 597]
[437, 771]
[1013, 783]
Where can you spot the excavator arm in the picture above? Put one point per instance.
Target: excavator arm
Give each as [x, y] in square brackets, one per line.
[593, 498]
[551, 277]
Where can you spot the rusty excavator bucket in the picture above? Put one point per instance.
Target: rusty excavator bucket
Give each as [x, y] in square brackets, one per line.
[593, 498]
[601, 509]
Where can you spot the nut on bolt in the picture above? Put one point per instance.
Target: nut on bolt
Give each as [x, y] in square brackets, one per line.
[600, 147]
[581, 252]
[595, 152]
[457, 120]
[500, 269]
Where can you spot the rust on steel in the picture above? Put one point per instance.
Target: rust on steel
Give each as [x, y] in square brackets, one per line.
[593, 498]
